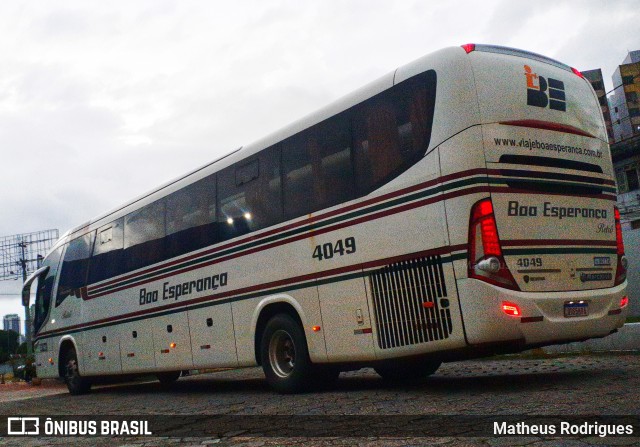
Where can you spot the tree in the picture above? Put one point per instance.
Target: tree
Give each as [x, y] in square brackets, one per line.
[8, 344]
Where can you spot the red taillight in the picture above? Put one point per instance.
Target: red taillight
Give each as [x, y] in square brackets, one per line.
[621, 270]
[619, 241]
[469, 47]
[510, 309]
[485, 254]
[577, 72]
[624, 301]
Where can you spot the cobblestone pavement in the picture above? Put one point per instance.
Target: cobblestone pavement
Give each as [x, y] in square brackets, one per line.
[585, 385]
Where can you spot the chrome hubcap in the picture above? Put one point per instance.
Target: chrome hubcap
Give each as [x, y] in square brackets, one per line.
[282, 353]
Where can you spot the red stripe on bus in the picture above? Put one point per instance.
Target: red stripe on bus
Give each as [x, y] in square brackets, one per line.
[257, 237]
[374, 216]
[265, 286]
[548, 125]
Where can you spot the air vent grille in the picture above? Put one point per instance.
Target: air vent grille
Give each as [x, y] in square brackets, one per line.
[410, 302]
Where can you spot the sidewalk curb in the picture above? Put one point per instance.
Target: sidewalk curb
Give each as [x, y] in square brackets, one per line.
[626, 339]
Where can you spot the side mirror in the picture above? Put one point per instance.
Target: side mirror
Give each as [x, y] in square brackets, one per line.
[26, 287]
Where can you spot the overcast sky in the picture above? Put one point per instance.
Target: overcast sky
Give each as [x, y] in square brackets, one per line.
[102, 101]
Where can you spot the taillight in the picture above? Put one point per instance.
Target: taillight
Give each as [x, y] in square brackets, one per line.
[485, 254]
[577, 72]
[469, 47]
[624, 301]
[621, 270]
[510, 309]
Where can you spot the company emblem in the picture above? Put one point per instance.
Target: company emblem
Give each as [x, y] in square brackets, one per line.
[543, 92]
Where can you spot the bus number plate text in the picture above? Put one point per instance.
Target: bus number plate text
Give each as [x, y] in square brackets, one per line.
[576, 309]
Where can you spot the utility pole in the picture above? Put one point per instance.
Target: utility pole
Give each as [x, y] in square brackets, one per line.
[27, 313]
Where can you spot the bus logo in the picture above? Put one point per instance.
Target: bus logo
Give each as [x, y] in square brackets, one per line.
[543, 92]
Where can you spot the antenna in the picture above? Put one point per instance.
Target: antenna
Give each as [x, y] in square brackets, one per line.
[20, 255]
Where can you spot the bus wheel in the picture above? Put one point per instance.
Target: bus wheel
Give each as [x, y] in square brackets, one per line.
[284, 355]
[407, 371]
[76, 383]
[167, 378]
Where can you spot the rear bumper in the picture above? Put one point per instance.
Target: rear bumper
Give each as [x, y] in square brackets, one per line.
[542, 320]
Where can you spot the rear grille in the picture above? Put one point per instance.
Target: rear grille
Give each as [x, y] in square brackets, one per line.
[410, 303]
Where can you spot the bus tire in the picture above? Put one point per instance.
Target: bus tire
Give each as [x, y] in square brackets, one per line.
[407, 371]
[285, 356]
[168, 378]
[75, 382]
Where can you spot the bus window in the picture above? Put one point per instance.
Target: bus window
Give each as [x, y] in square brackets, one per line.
[392, 131]
[107, 260]
[45, 288]
[73, 273]
[249, 196]
[144, 233]
[317, 168]
[191, 217]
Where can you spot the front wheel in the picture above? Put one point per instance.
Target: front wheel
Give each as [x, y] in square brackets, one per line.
[75, 383]
[284, 355]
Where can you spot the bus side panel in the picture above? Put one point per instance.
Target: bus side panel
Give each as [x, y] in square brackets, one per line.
[100, 351]
[212, 338]
[346, 321]
[172, 342]
[44, 350]
[462, 164]
[136, 347]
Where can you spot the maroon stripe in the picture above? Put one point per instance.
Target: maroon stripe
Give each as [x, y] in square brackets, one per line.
[265, 286]
[498, 172]
[547, 242]
[547, 125]
[374, 216]
[508, 190]
[312, 219]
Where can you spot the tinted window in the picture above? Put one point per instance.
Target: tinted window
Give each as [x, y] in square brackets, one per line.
[73, 273]
[45, 288]
[392, 131]
[107, 260]
[249, 195]
[144, 232]
[191, 217]
[627, 80]
[317, 167]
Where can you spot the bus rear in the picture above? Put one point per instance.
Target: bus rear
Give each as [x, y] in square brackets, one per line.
[545, 255]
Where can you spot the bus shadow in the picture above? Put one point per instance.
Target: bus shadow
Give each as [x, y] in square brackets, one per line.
[454, 384]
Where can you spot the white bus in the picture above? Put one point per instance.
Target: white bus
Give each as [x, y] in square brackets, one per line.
[458, 207]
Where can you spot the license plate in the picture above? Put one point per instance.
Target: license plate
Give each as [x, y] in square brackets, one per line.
[576, 309]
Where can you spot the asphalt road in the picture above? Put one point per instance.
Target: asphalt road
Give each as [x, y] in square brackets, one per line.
[471, 392]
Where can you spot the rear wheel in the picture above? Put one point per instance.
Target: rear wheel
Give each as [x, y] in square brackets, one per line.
[285, 357]
[76, 383]
[408, 371]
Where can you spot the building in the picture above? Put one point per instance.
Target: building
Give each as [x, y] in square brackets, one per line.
[625, 102]
[11, 322]
[597, 82]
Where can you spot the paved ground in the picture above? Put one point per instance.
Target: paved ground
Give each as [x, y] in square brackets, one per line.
[587, 385]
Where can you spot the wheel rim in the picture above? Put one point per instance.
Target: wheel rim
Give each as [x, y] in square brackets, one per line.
[282, 353]
[72, 370]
